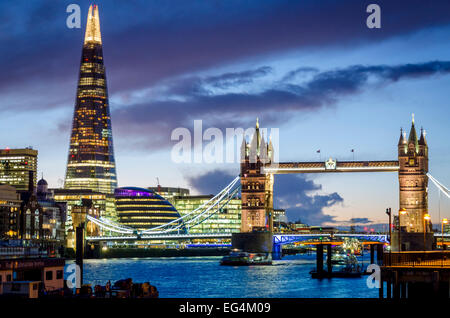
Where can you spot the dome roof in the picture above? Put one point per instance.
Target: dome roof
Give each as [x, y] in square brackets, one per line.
[144, 209]
[42, 182]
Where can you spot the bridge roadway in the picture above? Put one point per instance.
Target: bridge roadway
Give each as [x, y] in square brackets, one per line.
[277, 238]
[332, 166]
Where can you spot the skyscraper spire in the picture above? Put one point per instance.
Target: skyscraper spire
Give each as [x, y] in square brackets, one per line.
[93, 34]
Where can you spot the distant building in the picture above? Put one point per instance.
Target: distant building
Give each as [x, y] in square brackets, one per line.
[103, 203]
[15, 167]
[143, 209]
[170, 192]
[54, 215]
[280, 221]
[86, 207]
[227, 220]
[300, 228]
[9, 212]
[279, 215]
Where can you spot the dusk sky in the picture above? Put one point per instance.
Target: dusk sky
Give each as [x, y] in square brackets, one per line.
[310, 68]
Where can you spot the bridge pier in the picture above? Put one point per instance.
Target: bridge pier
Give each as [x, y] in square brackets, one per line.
[277, 251]
[379, 253]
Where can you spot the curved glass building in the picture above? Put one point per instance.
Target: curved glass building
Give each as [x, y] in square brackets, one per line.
[143, 209]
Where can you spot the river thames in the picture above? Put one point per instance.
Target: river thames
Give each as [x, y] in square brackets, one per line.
[191, 277]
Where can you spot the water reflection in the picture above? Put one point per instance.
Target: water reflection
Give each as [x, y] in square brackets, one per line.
[204, 277]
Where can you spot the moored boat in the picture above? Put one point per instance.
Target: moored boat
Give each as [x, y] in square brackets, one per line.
[239, 258]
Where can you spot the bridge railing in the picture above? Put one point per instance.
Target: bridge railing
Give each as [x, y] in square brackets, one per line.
[427, 259]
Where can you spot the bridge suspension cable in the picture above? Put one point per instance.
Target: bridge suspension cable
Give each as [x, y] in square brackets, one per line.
[195, 217]
[439, 185]
[188, 218]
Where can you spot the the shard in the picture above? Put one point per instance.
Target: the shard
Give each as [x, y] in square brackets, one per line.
[91, 162]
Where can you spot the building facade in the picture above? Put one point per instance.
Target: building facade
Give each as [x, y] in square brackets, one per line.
[16, 165]
[226, 220]
[91, 163]
[413, 181]
[102, 203]
[170, 193]
[256, 187]
[9, 212]
[143, 209]
[54, 215]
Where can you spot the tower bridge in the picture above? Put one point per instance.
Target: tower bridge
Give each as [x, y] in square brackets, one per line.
[258, 170]
[256, 182]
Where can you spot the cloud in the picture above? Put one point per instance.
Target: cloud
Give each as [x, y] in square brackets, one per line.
[291, 192]
[191, 98]
[211, 182]
[360, 220]
[147, 42]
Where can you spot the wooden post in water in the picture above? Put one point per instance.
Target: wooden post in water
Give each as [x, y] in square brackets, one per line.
[319, 259]
[329, 265]
[372, 254]
[379, 253]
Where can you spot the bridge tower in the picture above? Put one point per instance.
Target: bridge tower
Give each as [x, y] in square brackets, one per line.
[256, 186]
[413, 190]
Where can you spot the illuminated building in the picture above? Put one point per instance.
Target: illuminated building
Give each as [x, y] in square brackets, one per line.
[142, 208]
[15, 167]
[227, 220]
[169, 193]
[9, 212]
[86, 207]
[91, 162]
[101, 202]
[54, 215]
[280, 220]
[256, 186]
[413, 180]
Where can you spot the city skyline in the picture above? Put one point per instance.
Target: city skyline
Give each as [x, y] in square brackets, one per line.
[322, 94]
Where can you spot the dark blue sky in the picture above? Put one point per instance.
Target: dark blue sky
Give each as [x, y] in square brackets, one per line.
[310, 68]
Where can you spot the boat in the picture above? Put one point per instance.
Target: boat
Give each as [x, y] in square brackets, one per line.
[240, 258]
[339, 259]
[352, 269]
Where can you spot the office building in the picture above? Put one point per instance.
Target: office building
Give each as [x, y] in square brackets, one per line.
[226, 220]
[91, 163]
[16, 165]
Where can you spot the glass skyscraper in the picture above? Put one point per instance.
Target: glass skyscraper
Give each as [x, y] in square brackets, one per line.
[91, 162]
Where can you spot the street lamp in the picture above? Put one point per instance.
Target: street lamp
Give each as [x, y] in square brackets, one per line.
[388, 212]
[426, 218]
[444, 221]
